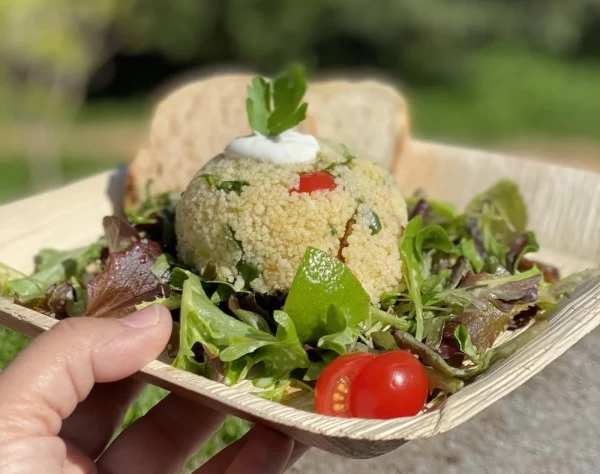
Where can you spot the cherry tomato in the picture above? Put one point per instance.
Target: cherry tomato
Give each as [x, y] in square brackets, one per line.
[333, 385]
[316, 181]
[392, 385]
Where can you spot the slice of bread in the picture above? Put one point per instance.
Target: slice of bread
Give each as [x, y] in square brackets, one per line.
[195, 123]
[367, 115]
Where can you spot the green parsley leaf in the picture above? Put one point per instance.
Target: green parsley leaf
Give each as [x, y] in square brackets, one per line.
[276, 107]
[258, 105]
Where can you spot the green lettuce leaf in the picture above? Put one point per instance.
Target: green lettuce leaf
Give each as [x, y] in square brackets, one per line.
[507, 200]
[6, 275]
[433, 237]
[238, 345]
[171, 302]
[412, 270]
[469, 251]
[389, 319]
[322, 281]
[282, 357]
[52, 267]
[461, 333]
[438, 380]
[341, 337]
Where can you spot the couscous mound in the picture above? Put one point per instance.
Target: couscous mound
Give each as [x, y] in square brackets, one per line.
[242, 210]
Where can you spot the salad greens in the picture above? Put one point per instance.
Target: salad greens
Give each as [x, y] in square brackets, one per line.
[53, 267]
[239, 346]
[322, 282]
[466, 279]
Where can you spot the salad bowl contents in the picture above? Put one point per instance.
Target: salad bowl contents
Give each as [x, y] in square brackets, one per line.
[296, 264]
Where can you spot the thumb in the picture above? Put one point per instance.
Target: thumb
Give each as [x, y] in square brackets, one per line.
[44, 384]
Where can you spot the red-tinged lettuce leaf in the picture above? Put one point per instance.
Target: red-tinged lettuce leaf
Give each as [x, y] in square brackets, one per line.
[60, 301]
[523, 318]
[490, 357]
[449, 348]
[495, 304]
[521, 245]
[119, 234]
[127, 280]
[489, 303]
[550, 272]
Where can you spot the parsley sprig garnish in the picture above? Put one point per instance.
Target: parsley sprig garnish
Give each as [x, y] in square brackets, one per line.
[274, 107]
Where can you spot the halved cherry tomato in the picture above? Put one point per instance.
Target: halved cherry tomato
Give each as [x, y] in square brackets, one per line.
[390, 386]
[315, 181]
[333, 385]
[362, 385]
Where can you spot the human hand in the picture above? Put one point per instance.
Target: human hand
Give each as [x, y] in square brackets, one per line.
[64, 396]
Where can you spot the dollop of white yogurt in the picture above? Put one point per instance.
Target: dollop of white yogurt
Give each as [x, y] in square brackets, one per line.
[287, 148]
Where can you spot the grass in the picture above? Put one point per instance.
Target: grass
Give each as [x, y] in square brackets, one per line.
[511, 95]
[15, 181]
[134, 108]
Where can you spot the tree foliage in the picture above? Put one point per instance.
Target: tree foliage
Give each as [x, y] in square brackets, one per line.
[49, 50]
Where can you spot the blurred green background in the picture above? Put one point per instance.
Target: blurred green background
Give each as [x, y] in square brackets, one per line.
[78, 78]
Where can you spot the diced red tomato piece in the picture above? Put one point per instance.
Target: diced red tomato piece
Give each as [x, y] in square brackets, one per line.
[315, 181]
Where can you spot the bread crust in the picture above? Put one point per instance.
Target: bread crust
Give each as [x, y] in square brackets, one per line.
[194, 123]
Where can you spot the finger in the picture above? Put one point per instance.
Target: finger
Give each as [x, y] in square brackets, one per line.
[162, 440]
[104, 409]
[221, 461]
[299, 451]
[261, 451]
[77, 462]
[47, 380]
[45, 454]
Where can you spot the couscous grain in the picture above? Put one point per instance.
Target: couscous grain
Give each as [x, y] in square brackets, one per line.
[271, 225]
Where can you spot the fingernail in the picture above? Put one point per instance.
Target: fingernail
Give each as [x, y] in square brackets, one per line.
[144, 318]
